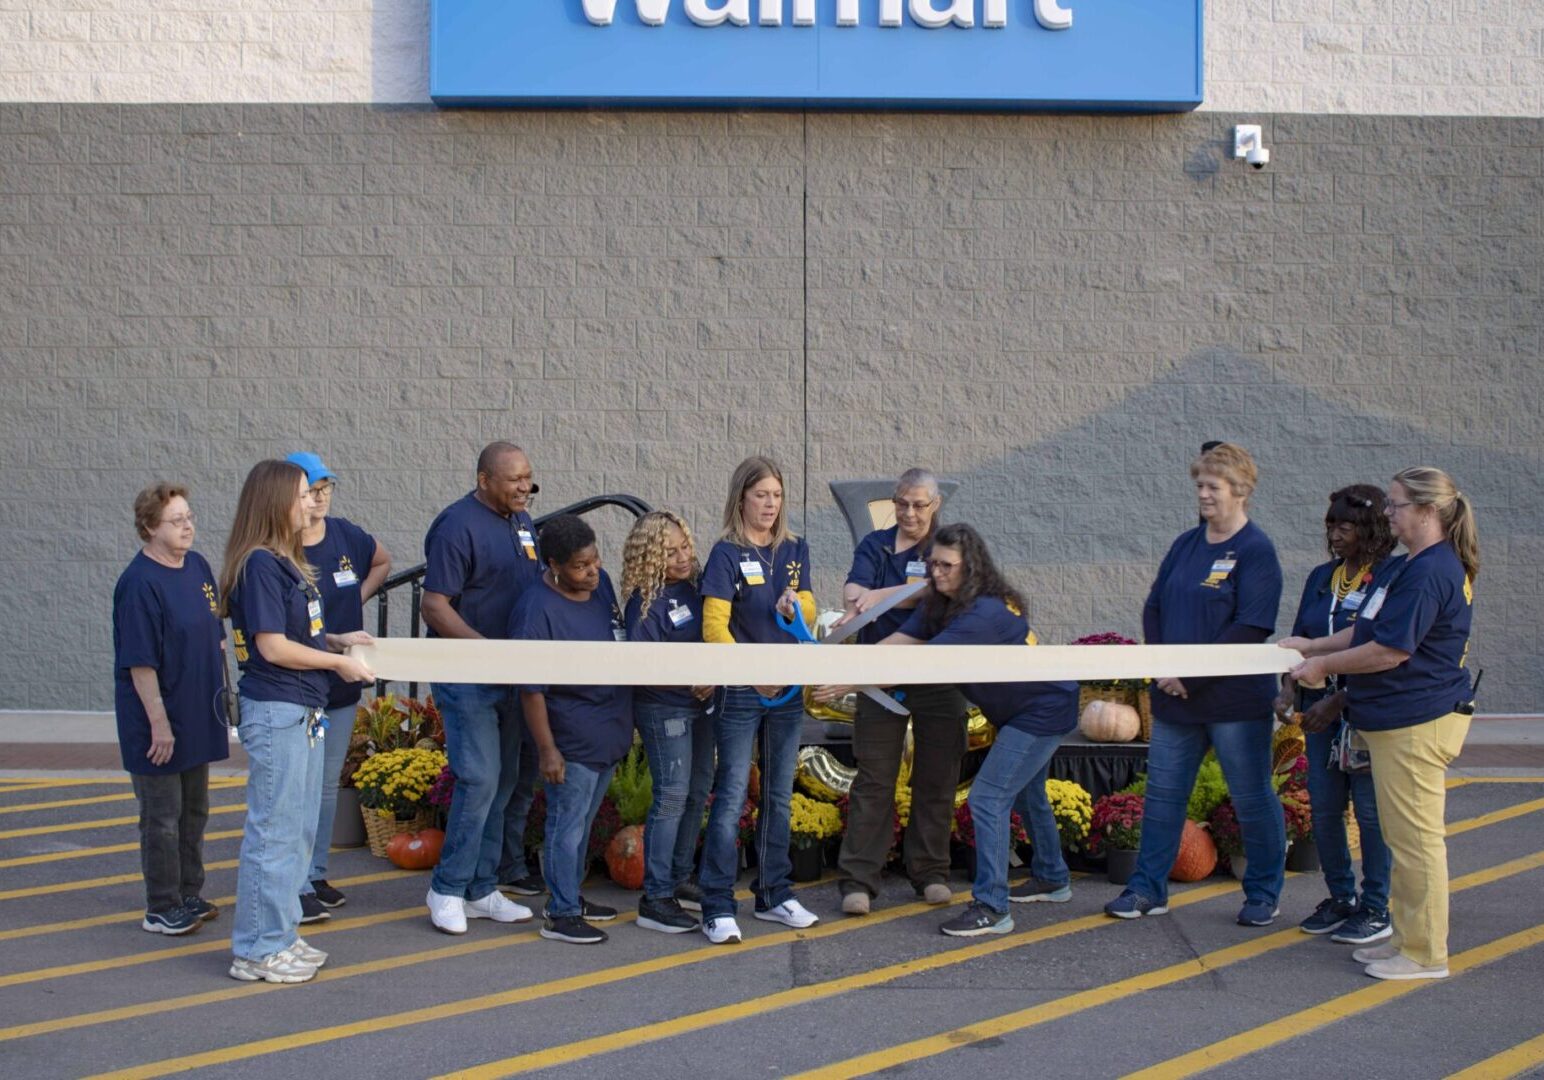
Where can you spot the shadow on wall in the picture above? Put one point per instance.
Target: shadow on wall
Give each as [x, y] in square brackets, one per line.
[1081, 514]
[399, 52]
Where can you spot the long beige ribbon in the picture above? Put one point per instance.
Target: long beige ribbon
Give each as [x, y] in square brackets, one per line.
[607, 663]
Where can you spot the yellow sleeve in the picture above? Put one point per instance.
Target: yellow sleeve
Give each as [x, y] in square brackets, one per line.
[807, 607]
[715, 621]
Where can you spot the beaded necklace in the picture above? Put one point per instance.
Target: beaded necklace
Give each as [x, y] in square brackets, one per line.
[1341, 584]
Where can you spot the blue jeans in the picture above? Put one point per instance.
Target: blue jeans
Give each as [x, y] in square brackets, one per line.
[571, 809]
[1329, 790]
[1244, 752]
[284, 786]
[678, 740]
[1013, 778]
[340, 726]
[482, 741]
[512, 863]
[738, 720]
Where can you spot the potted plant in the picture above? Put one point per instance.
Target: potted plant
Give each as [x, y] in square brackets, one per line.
[811, 824]
[393, 792]
[1303, 855]
[962, 832]
[387, 722]
[1074, 811]
[1115, 827]
[1228, 837]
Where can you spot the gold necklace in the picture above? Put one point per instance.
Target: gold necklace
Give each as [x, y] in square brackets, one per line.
[1343, 585]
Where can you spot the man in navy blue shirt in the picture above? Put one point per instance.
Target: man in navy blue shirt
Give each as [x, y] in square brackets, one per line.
[481, 554]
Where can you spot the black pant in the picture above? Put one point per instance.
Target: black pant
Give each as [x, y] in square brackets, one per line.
[173, 810]
[878, 741]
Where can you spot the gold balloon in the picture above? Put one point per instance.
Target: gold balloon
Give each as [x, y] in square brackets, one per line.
[961, 793]
[979, 732]
[821, 775]
[840, 711]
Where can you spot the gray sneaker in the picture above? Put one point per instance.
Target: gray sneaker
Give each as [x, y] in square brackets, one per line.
[1033, 890]
[280, 967]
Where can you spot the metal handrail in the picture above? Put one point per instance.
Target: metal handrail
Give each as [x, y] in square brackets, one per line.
[413, 576]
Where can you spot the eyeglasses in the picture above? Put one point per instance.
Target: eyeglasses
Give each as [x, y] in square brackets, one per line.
[324, 491]
[178, 522]
[914, 507]
[1391, 506]
[942, 567]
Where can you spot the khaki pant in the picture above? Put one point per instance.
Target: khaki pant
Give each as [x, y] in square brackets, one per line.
[1409, 774]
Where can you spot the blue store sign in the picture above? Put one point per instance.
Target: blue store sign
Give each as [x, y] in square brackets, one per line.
[1136, 55]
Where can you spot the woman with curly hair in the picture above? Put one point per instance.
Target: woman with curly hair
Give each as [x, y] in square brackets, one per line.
[659, 591]
[1356, 531]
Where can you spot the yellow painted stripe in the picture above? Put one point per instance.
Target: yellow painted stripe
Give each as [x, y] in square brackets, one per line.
[91, 800]
[1335, 1009]
[1458, 828]
[86, 883]
[135, 915]
[1508, 1063]
[101, 823]
[106, 849]
[1503, 780]
[73, 781]
[1009, 1023]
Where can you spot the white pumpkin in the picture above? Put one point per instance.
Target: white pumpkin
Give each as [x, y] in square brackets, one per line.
[1109, 721]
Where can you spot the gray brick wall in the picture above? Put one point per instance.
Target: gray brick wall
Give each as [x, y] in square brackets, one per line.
[1055, 311]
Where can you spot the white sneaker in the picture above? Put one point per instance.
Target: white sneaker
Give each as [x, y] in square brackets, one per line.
[1402, 967]
[1386, 951]
[280, 967]
[447, 913]
[498, 907]
[308, 955]
[722, 930]
[789, 913]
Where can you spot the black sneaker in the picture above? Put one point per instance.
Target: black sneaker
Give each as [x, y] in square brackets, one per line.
[1364, 928]
[597, 912]
[689, 895]
[174, 923]
[572, 929]
[329, 897]
[665, 915]
[1028, 892]
[530, 885]
[311, 909]
[1327, 916]
[976, 920]
[201, 909]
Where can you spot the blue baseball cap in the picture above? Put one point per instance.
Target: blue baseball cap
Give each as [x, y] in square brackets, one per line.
[313, 465]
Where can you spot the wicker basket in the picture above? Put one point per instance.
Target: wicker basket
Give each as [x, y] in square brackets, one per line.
[381, 829]
[1140, 700]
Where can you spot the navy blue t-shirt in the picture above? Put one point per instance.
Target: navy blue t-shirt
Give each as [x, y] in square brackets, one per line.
[1203, 593]
[342, 561]
[877, 565]
[592, 725]
[1040, 708]
[271, 597]
[674, 615]
[482, 560]
[1320, 613]
[1424, 606]
[169, 619]
[752, 579]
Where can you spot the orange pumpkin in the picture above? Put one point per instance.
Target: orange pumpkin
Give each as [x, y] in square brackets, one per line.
[1109, 722]
[1197, 856]
[415, 850]
[624, 857]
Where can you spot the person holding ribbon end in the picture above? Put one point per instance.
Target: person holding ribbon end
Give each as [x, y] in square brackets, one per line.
[659, 589]
[1219, 584]
[481, 554]
[1357, 533]
[885, 561]
[285, 654]
[350, 566]
[757, 572]
[168, 643]
[1408, 693]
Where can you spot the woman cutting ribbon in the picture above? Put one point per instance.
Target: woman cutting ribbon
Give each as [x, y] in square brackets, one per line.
[756, 572]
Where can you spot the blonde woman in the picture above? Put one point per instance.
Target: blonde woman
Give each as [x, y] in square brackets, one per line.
[757, 571]
[659, 590]
[1408, 693]
[284, 654]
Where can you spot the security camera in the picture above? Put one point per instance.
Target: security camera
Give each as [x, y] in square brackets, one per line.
[1249, 145]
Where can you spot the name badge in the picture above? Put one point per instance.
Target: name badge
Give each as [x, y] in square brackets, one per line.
[679, 616]
[916, 570]
[314, 611]
[750, 569]
[1223, 567]
[1374, 603]
[1353, 600]
[344, 578]
[619, 631]
[528, 543]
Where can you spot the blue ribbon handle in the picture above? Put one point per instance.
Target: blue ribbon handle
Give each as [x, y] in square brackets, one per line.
[796, 629]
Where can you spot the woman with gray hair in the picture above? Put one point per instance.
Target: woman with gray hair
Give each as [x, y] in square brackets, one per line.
[887, 560]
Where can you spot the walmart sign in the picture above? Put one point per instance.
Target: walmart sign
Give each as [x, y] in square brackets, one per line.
[1133, 55]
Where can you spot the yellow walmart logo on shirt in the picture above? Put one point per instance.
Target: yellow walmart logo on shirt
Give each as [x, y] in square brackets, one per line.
[793, 568]
[214, 605]
[241, 646]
